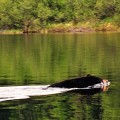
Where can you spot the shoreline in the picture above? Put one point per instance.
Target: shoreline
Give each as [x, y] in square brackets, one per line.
[66, 28]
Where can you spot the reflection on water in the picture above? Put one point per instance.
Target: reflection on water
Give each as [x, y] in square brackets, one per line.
[61, 106]
[45, 59]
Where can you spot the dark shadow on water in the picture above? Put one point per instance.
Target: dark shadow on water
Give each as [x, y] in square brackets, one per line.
[89, 91]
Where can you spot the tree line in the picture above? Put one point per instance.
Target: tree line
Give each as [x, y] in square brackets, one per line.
[24, 14]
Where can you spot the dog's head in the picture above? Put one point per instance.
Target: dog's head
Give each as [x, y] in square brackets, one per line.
[103, 82]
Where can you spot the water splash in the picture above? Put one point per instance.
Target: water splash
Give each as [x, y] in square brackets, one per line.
[24, 92]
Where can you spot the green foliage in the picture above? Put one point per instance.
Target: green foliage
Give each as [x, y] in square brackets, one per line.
[43, 13]
[26, 14]
[105, 8]
[117, 20]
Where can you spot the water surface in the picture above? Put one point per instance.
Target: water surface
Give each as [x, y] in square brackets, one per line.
[42, 59]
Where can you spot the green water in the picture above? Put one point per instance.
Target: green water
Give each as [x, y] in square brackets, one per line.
[40, 59]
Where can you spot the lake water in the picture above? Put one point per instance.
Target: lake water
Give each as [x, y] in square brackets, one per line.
[42, 59]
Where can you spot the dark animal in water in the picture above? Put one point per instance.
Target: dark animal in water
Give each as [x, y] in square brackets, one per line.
[81, 82]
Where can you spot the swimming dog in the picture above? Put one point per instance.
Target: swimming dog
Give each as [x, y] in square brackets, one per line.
[82, 82]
